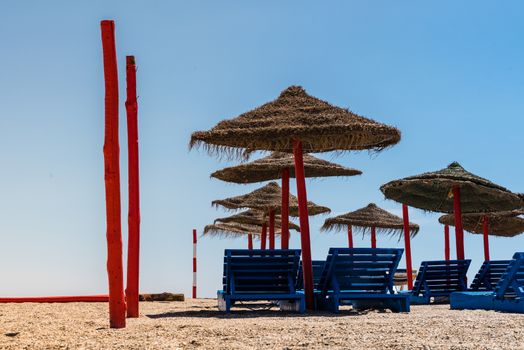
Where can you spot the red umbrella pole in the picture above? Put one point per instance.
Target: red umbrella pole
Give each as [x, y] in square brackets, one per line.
[446, 242]
[133, 251]
[284, 217]
[263, 237]
[373, 237]
[485, 224]
[272, 229]
[459, 231]
[305, 242]
[117, 305]
[350, 236]
[407, 245]
[250, 241]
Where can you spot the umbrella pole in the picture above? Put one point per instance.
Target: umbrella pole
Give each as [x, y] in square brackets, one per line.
[250, 241]
[133, 251]
[373, 237]
[407, 245]
[350, 236]
[485, 224]
[305, 242]
[271, 229]
[284, 216]
[117, 305]
[263, 237]
[459, 231]
[446, 242]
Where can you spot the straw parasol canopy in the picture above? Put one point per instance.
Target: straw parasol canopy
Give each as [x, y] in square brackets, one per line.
[504, 224]
[270, 168]
[266, 198]
[296, 115]
[224, 230]
[252, 217]
[432, 191]
[371, 215]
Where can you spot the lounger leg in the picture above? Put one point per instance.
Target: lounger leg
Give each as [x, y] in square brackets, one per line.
[302, 307]
[228, 304]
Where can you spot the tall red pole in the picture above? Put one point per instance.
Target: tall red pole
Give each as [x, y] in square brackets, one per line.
[284, 216]
[271, 229]
[407, 246]
[250, 241]
[485, 224]
[117, 305]
[305, 242]
[133, 250]
[350, 236]
[263, 237]
[373, 237]
[446, 242]
[194, 291]
[459, 231]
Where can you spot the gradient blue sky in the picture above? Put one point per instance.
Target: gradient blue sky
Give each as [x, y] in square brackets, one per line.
[448, 74]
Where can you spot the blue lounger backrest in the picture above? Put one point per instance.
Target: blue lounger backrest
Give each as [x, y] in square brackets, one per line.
[318, 267]
[489, 274]
[360, 270]
[511, 284]
[441, 277]
[260, 271]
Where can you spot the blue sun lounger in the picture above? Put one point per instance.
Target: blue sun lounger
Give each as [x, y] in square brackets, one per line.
[507, 296]
[318, 267]
[438, 279]
[489, 274]
[362, 276]
[260, 275]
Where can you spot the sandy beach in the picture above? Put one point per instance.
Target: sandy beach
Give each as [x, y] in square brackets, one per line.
[198, 324]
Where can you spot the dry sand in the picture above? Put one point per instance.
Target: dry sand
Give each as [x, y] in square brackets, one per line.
[198, 324]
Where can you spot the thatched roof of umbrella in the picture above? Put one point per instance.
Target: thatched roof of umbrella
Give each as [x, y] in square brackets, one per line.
[432, 191]
[270, 168]
[371, 215]
[296, 115]
[253, 217]
[232, 230]
[504, 223]
[266, 198]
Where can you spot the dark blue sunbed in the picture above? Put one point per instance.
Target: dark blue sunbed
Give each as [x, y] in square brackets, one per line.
[508, 294]
[362, 276]
[260, 275]
[318, 267]
[438, 279]
[489, 274]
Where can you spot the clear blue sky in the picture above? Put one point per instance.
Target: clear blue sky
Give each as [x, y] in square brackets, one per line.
[448, 74]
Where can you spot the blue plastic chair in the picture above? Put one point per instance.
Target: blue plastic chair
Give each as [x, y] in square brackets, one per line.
[438, 279]
[260, 275]
[362, 276]
[508, 294]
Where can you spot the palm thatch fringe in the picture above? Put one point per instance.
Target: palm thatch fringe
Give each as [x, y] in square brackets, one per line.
[233, 230]
[254, 217]
[503, 224]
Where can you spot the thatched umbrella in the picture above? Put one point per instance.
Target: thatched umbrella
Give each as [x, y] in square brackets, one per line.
[233, 230]
[297, 122]
[268, 200]
[502, 223]
[370, 218]
[452, 190]
[281, 165]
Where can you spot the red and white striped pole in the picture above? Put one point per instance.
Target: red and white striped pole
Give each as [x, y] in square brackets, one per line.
[194, 264]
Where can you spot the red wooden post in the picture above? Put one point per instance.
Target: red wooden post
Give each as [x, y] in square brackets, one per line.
[194, 294]
[133, 250]
[459, 231]
[284, 216]
[117, 305]
[350, 236]
[271, 229]
[263, 237]
[485, 223]
[250, 241]
[407, 246]
[305, 242]
[373, 237]
[446, 242]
